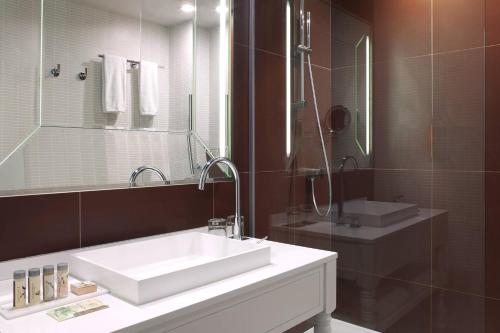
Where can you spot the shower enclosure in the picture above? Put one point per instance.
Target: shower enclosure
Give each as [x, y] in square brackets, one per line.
[405, 93]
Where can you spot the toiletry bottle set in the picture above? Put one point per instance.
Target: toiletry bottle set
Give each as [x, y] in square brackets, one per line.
[35, 282]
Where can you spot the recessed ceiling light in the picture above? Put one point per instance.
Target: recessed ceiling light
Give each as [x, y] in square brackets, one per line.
[187, 8]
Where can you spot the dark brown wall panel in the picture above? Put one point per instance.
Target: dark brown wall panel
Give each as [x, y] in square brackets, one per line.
[492, 234]
[457, 24]
[492, 114]
[32, 225]
[110, 216]
[270, 153]
[240, 115]
[240, 23]
[269, 27]
[492, 21]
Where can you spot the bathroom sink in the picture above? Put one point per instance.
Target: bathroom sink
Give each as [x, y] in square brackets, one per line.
[378, 213]
[147, 270]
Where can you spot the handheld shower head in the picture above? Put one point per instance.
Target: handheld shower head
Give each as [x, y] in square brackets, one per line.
[308, 30]
[305, 45]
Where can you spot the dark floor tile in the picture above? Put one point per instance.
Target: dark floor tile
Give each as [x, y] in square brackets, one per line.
[115, 215]
[38, 224]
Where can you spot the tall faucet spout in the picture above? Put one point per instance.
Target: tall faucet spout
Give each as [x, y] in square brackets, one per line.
[237, 234]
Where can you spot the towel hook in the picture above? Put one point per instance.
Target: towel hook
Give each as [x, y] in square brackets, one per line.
[56, 71]
[83, 75]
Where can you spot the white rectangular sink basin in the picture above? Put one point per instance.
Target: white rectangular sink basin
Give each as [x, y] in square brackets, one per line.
[144, 271]
[379, 213]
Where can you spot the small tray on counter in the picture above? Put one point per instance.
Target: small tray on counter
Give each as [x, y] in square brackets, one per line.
[8, 312]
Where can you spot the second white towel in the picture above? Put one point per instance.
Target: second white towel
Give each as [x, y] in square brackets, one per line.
[114, 84]
[149, 94]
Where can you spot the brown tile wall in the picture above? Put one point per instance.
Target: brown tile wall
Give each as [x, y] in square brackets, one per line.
[38, 224]
[435, 143]
[451, 283]
[436, 133]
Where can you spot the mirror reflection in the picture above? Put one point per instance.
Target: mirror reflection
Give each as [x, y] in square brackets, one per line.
[109, 86]
[352, 76]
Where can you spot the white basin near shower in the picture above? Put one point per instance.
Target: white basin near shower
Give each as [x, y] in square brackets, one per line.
[379, 213]
[147, 270]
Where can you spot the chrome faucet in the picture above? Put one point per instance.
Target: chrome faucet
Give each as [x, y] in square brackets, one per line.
[139, 170]
[344, 160]
[237, 233]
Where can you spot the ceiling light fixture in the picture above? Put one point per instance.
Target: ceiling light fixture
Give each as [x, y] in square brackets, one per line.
[187, 8]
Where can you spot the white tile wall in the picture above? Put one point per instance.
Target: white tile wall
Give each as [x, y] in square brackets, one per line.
[74, 36]
[213, 111]
[181, 73]
[19, 71]
[66, 157]
[68, 150]
[203, 87]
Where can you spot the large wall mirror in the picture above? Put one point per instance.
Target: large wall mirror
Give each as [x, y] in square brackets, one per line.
[92, 89]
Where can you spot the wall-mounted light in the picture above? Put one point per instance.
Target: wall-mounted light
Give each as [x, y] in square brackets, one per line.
[218, 9]
[223, 78]
[288, 79]
[368, 96]
[187, 8]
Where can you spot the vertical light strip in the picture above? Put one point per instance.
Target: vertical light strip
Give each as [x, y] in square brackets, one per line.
[368, 97]
[251, 120]
[223, 61]
[40, 71]
[288, 80]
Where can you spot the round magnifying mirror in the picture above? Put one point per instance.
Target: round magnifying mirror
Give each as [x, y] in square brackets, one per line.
[338, 119]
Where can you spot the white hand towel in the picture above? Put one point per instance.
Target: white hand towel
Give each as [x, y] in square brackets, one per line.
[114, 83]
[149, 95]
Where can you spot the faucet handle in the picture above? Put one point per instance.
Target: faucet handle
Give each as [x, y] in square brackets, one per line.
[230, 224]
[217, 224]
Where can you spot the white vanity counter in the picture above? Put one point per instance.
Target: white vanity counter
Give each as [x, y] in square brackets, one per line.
[298, 284]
